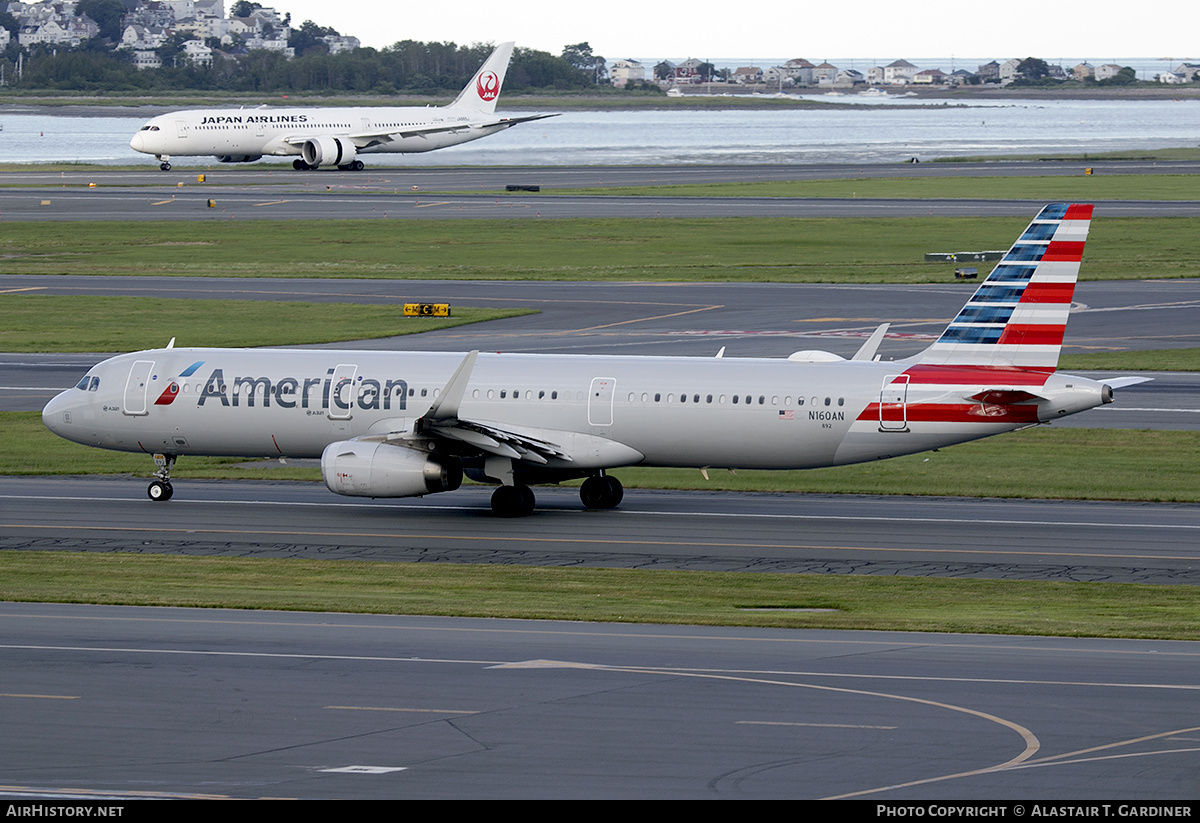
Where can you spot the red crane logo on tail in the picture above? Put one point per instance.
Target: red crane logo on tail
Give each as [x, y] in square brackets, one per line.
[488, 85]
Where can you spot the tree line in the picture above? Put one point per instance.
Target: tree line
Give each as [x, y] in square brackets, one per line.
[406, 66]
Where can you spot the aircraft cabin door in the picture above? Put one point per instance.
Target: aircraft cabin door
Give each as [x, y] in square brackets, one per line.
[342, 392]
[137, 387]
[893, 403]
[181, 129]
[600, 401]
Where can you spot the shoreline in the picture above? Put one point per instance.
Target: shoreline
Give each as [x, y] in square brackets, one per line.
[709, 97]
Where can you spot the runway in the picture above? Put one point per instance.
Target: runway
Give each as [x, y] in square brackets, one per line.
[129, 703]
[480, 193]
[690, 530]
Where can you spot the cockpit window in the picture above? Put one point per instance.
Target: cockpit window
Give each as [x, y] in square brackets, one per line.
[88, 383]
[148, 127]
[83, 384]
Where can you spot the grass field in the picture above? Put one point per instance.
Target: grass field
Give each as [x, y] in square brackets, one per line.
[1079, 188]
[62, 323]
[1085, 464]
[613, 595]
[670, 250]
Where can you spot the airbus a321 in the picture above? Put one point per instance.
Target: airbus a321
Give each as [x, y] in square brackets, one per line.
[400, 424]
[332, 136]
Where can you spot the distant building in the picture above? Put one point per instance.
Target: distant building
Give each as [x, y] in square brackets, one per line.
[624, 72]
[800, 70]
[898, 73]
[824, 74]
[930, 77]
[340, 43]
[1190, 72]
[849, 77]
[747, 75]
[988, 72]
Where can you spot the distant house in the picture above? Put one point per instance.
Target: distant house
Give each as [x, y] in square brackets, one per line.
[988, 72]
[930, 77]
[776, 78]
[624, 72]
[198, 53]
[1108, 71]
[340, 43]
[747, 75]
[1190, 72]
[825, 74]
[146, 59]
[898, 73]
[960, 77]
[1010, 71]
[1083, 71]
[875, 75]
[800, 70]
[849, 77]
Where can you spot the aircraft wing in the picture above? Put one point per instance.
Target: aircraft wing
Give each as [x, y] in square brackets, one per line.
[369, 138]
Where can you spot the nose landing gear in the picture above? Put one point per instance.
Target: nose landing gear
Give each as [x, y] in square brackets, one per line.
[160, 489]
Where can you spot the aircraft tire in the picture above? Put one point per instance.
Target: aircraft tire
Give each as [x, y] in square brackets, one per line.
[512, 501]
[601, 492]
[160, 491]
[300, 165]
[165, 166]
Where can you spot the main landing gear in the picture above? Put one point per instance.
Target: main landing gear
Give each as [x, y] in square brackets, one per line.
[601, 492]
[357, 165]
[598, 492]
[160, 489]
[512, 501]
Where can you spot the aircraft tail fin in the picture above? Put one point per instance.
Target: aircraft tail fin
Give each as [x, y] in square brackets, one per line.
[1018, 315]
[481, 94]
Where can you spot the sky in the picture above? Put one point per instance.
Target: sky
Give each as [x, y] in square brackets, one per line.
[867, 29]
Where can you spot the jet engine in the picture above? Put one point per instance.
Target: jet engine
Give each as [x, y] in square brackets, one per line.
[365, 469]
[328, 151]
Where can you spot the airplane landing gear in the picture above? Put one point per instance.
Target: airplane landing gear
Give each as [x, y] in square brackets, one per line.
[160, 489]
[512, 501]
[357, 165]
[300, 165]
[601, 492]
[165, 166]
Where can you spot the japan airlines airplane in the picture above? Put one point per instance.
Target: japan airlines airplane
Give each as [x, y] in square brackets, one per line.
[399, 424]
[332, 137]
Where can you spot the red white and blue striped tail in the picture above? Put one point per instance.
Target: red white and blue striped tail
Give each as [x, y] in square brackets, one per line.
[1018, 315]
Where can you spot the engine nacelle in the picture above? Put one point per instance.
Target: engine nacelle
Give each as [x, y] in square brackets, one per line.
[328, 151]
[238, 158]
[366, 469]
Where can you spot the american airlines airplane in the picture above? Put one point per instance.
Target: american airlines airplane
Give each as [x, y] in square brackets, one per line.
[328, 136]
[401, 424]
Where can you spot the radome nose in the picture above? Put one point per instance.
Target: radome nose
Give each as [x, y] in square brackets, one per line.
[136, 142]
[53, 414]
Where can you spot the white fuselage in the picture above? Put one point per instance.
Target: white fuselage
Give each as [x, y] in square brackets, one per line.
[281, 132]
[602, 411]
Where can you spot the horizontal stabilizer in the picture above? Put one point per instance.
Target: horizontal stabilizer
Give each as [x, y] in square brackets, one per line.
[1122, 382]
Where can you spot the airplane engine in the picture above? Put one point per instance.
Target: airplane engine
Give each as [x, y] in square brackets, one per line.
[238, 158]
[365, 469]
[328, 151]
